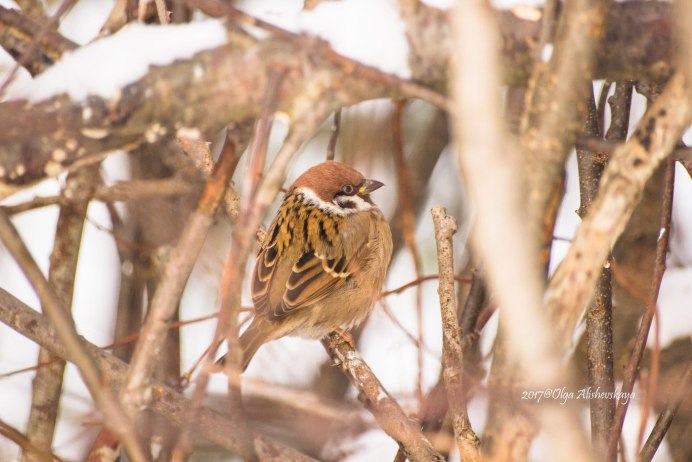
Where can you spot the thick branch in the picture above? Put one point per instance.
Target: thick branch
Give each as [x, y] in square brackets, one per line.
[488, 164]
[557, 103]
[638, 43]
[64, 133]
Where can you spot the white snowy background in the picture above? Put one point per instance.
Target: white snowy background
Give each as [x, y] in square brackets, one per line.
[366, 30]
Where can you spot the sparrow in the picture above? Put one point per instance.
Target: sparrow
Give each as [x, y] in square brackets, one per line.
[323, 261]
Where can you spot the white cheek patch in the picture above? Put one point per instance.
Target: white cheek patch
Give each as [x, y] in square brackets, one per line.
[310, 195]
[352, 204]
[357, 203]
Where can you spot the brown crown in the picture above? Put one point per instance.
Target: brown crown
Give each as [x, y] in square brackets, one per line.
[327, 178]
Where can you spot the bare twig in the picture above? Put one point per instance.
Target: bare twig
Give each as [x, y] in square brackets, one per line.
[666, 417]
[599, 330]
[266, 192]
[386, 410]
[232, 278]
[452, 351]
[630, 372]
[60, 318]
[420, 280]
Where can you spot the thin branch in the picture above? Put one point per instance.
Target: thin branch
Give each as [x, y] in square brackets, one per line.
[122, 191]
[47, 384]
[30, 450]
[418, 281]
[385, 409]
[60, 318]
[630, 372]
[232, 278]
[452, 351]
[665, 419]
[599, 329]
[301, 130]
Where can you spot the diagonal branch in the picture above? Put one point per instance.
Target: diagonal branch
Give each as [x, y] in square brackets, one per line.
[60, 318]
[168, 403]
[386, 410]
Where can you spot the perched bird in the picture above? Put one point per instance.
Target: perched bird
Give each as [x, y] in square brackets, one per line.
[323, 261]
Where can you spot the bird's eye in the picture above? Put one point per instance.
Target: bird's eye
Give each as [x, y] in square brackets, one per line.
[348, 189]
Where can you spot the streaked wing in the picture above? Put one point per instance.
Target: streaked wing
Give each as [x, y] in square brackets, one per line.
[313, 277]
[261, 284]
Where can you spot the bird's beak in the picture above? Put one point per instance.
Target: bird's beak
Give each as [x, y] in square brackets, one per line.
[369, 186]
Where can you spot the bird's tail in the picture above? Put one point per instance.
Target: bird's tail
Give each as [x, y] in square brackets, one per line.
[254, 337]
[250, 341]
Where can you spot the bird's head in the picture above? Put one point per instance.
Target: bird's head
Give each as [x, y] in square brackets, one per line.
[336, 187]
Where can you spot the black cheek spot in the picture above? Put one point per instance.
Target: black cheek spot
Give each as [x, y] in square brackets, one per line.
[637, 162]
[662, 112]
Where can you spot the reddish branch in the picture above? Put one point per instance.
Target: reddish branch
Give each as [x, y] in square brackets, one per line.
[666, 417]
